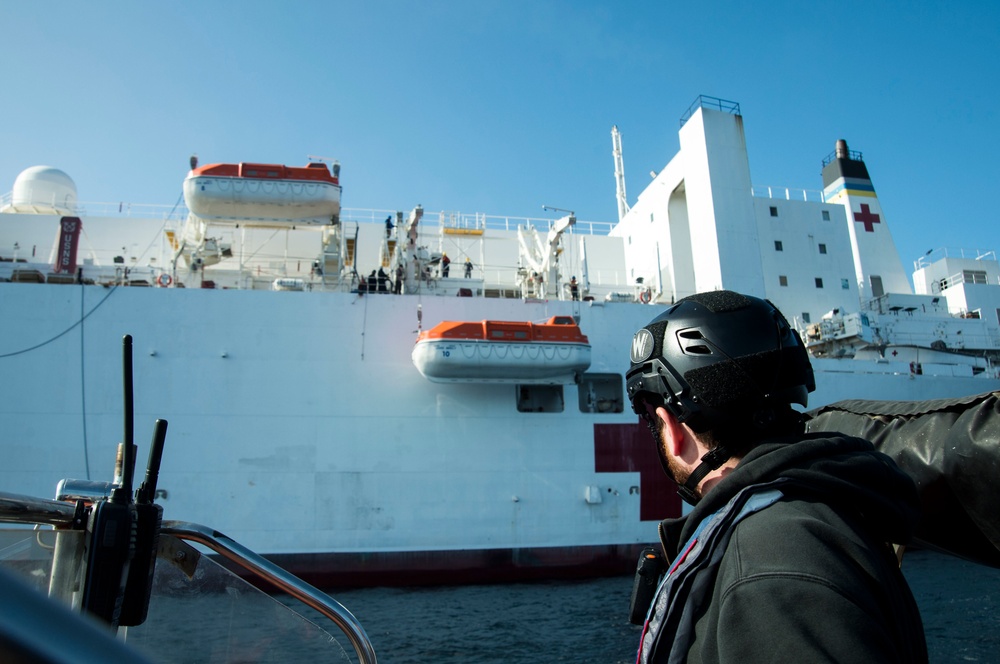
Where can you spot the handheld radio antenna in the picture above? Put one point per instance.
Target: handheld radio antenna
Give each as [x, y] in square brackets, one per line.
[128, 436]
[147, 490]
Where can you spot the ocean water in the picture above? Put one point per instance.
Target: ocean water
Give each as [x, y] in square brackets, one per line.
[207, 617]
[587, 621]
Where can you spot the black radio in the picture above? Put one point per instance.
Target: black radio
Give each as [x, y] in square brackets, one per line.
[647, 579]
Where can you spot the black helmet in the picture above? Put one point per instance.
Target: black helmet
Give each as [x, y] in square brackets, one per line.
[716, 355]
[721, 361]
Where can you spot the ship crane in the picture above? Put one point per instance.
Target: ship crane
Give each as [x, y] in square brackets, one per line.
[406, 254]
[542, 257]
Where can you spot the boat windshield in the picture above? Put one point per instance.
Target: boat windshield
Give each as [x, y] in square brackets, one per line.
[198, 611]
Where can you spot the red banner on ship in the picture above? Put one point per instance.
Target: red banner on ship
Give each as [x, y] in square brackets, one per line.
[69, 239]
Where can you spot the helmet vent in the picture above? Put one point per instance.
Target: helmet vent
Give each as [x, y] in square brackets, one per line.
[693, 349]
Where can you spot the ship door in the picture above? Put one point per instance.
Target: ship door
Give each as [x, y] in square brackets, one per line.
[876, 282]
[349, 252]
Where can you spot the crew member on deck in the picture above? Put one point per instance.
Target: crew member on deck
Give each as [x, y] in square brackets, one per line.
[468, 268]
[574, 289]
[445, 265]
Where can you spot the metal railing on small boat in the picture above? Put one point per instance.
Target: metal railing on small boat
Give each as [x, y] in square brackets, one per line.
[70, 516]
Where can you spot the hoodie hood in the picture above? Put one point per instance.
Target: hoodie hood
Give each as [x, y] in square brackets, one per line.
[840, 470]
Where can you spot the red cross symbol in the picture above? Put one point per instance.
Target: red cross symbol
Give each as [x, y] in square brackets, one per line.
[620, 448]
[867, 217]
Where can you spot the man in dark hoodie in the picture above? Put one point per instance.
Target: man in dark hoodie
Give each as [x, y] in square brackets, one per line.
[786, 555]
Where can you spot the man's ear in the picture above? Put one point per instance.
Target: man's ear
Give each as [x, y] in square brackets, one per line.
[673, 432]
[680, 442]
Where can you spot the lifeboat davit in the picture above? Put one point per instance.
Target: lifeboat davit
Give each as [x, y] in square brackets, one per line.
[263, 192]
[553, 352]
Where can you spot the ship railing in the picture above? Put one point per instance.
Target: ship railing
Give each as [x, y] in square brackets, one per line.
[485, 222]
[25, 271]
[965, 341]
[945, 252]
[964, 277]
[497, 281]
[124, 209]
[362, 215]
[713, 103]
[881, 305]
[787, 193]
[502, 282]
[851, 154]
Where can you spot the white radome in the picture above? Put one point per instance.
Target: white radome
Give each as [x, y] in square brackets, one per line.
[43, 190]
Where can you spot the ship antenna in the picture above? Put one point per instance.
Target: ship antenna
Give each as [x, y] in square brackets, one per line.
[616, 150]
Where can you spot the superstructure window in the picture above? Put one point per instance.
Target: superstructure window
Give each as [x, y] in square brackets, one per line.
[778, 246]
[819, 282]
[774, 211]
[845, 284]
[826, 215]
[974, 276]
[782, 280]
[822, 248]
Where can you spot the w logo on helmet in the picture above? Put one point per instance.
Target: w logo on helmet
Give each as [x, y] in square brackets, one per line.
[642, 346]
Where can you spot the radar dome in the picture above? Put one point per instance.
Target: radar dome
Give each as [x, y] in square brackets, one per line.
[43, 190]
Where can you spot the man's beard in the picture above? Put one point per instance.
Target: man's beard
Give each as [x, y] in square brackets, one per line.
[671, 466]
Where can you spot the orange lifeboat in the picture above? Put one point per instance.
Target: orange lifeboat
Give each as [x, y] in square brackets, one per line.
[553, 352]
[264, 192]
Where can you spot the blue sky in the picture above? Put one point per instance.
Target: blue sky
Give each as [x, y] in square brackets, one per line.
[502, 107]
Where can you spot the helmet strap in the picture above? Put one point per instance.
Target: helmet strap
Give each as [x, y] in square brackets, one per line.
[711, 461]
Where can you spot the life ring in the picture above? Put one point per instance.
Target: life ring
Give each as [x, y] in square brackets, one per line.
[164, 280]
[645, 296]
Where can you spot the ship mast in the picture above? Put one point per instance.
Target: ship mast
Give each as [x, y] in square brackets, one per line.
[616, 146]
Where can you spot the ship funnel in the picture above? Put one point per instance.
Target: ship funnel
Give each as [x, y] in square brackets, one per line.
[841, 150]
